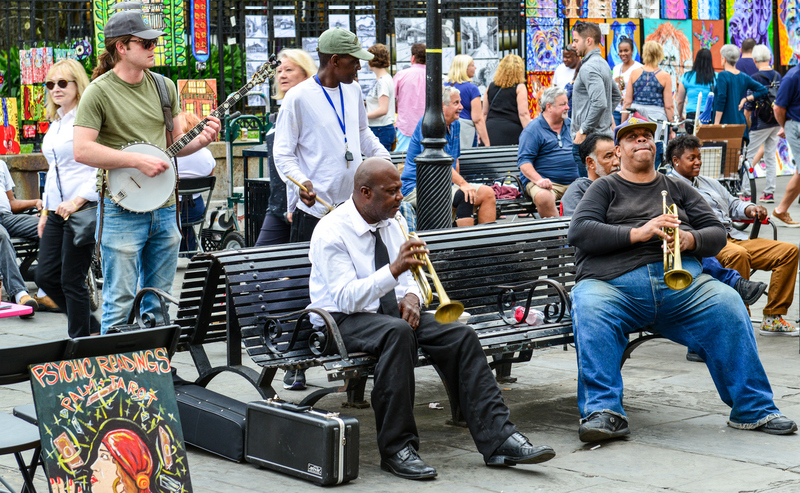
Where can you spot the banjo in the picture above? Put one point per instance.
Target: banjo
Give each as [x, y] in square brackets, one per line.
[133, 190]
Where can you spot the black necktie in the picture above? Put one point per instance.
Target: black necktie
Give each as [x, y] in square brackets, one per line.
[389, 300]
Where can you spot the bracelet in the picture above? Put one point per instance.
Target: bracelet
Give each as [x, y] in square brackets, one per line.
[44, 212]
[74, 204]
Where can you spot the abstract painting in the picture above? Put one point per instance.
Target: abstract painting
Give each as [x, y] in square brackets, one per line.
[707, 10]
[675, 9]
[750, 19]
[623, 28]
[545, 41]
[675, 37]
[540, 8]
[638, 9]
[786, 165]
[9, 126]
[789, 31]
[537, 83]
[601, 8]
[710, 35]
[110, 422]
[572, 9]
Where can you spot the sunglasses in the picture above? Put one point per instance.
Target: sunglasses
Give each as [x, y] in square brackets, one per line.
[146, 43]
[61, 83]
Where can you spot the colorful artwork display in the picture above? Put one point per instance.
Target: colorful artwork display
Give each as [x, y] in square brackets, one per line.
[623, 28]
[9, 126]
[749, 19]
[537, 82]
[786, 164]
[707, 10]
[675, 38]
[572, 9]
[198, 96]
[109, 421]
[200, 11]
[545, 42]
[603, 40]
[540, 8]
[166, 15]
[709, 35]
[638, 9]
[674, 9]
[789, 31]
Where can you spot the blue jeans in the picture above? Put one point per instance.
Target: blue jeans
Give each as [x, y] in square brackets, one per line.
[604, 312]
[617, 118]
[385, 135]
[713, 268]
[576, 155]
[137, 248]
[14, 226]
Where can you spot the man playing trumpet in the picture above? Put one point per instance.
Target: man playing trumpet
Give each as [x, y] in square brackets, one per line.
[360, 274]
[618, 230]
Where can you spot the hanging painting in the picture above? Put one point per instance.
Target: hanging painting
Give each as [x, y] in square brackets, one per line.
[603, 41]
[572, 9]
[9, 126]
[709, 35]
[198, 96]
[540, 8]
[750, 19]
[638, 9]
[675, 38]
[789, 31]
[707, 10]
[545, 41]
[675, 9]
[537, 83]
[619, 29]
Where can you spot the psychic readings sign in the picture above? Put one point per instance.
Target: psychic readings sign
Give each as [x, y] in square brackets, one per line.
[110, 421]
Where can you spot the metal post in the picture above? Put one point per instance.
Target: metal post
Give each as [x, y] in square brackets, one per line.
[434, 177]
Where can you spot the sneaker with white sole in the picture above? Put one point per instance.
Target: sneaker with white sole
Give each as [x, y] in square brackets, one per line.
[777, 326]
[767, 198]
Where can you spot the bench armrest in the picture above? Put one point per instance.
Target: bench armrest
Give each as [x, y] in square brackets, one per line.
[508, 298]
[319, 342]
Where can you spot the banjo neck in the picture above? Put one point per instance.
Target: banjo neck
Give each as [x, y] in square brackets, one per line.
[179, 144]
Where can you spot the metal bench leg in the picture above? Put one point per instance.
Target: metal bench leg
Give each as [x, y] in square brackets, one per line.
[26, 473]
[636, 343]
[503, 370]
[355, 394]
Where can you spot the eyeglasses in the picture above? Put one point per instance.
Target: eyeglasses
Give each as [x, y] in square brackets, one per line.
[61, 83]
[146, 43]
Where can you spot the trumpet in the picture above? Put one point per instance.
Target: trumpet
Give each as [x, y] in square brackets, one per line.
[449, 310]
[674, 276]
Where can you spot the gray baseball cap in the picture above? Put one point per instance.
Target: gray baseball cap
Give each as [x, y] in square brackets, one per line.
[338, 41]
[131, 22]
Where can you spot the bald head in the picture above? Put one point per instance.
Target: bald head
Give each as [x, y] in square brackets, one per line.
[376, 190]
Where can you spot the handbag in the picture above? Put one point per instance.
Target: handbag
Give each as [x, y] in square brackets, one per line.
[82, 222]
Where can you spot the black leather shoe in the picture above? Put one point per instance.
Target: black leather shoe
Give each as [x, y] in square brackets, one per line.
[778, 426]
[750, 291]
[517, 449]
[407, 465]
[692, 356]
[603, 426]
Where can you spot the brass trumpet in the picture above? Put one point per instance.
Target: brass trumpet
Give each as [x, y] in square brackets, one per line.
[449, 310]
[674, 276]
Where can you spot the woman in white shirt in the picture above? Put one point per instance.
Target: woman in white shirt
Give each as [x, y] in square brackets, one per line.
[69, 186]
[622, 71]
[380, 100]
[198, 164]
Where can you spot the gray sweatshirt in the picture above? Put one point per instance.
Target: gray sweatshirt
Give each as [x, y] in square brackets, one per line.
[594, 96]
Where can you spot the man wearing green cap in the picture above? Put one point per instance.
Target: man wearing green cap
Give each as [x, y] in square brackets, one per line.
[323, 131]
[122, 106]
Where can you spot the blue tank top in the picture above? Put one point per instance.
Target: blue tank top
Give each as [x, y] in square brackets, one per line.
[648, 90]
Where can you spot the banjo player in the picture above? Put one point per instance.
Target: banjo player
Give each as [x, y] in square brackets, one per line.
[121, 106]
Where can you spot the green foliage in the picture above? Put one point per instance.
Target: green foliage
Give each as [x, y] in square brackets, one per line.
[9, 68]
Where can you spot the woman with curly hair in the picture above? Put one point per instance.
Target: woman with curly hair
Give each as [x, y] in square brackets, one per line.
[505, 103]
[380, 100]
[462, 70]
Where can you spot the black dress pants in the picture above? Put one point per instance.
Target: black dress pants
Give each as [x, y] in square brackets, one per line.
[455, 350]
[62, 272]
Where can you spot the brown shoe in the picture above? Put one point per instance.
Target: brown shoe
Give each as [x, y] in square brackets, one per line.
[46, 304]
[28, 301]
[786, 219]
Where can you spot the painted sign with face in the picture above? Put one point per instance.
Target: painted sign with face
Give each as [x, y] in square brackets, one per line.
[675, 38]
[545, 41]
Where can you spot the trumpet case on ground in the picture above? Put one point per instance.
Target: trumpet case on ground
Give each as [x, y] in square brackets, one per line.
[212, 421]
[311, 444]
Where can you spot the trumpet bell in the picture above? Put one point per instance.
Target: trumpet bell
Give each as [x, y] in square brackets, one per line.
[678, 279]
[449, 312]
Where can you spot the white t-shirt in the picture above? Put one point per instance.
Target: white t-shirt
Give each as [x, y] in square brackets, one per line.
[309, 143]
[563, 76]
[196, 165]
[383, 87]
[626, 77]
[7, 184]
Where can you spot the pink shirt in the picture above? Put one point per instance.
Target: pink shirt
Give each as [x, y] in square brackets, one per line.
[409, 91]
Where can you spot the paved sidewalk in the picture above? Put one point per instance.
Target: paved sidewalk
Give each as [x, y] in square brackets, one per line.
[679, 440]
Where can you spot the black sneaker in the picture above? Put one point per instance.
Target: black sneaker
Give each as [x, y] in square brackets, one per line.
[778, 426]
[294, 380]
[750, 291]
[603, 426]
[694, 357]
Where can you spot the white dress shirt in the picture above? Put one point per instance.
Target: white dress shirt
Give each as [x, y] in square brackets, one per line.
[309, 143]
[343, 276]
[77, 180]
[6, 185]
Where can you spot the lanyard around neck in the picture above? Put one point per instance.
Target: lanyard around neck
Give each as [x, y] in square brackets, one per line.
[341, 101]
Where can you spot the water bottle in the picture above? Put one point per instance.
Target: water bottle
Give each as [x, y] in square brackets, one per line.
[535, 317]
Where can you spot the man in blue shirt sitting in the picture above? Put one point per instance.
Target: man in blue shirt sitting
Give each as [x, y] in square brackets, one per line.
[466, 196]
[545, 157]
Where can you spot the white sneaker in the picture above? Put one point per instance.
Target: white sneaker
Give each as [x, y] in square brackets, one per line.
[777, 326]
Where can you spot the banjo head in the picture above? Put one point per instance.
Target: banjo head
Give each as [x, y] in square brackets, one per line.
[133, 190]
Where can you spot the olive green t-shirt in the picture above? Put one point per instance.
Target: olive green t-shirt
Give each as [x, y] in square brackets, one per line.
[125, 113]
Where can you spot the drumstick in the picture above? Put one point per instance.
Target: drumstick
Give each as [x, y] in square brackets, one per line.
[303, 188]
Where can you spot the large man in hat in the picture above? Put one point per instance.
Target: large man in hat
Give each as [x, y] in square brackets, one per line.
[321, 134]
[122, 106]
[617, 230]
